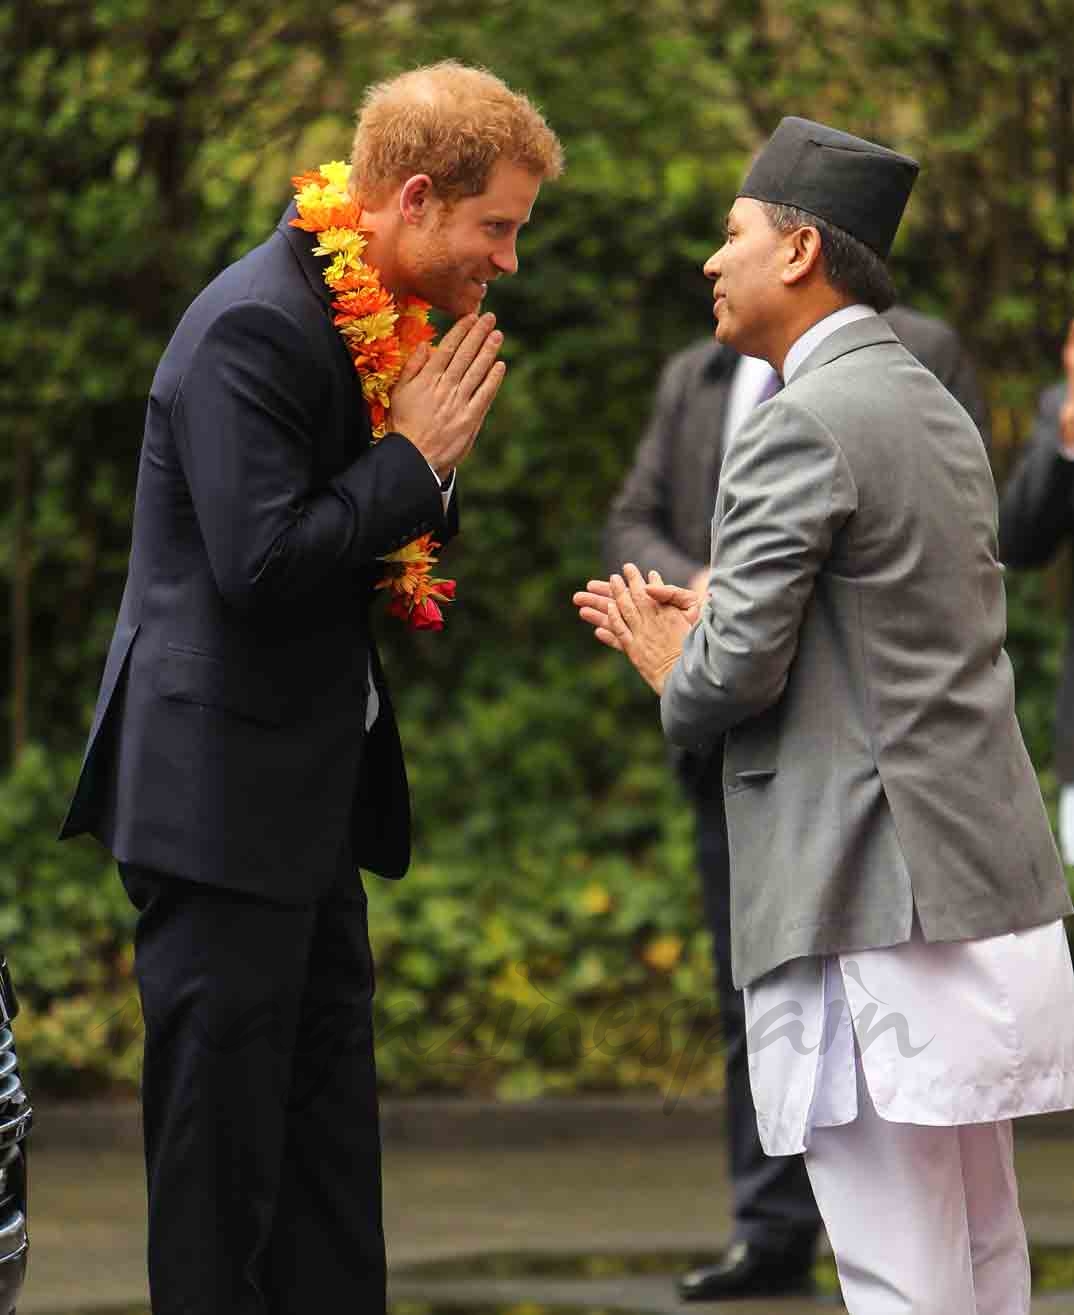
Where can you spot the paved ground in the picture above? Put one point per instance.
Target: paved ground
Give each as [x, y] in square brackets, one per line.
[636, 1184]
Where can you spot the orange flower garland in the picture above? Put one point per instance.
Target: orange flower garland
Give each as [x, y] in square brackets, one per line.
[379, 333]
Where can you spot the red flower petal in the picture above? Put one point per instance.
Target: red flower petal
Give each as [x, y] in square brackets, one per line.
[427, 616]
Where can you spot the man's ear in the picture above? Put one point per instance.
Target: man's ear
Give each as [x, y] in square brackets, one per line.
[803, 256]
[416, 198]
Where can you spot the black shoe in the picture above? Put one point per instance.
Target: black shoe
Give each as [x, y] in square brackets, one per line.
[747, 1270]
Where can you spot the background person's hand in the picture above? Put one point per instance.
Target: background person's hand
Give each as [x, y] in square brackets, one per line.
[444, 394]
[1066, 411]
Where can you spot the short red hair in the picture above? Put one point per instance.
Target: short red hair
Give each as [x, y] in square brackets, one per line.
[451, 122]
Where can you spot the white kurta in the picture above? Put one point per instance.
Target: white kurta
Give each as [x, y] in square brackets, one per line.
[949, 1033]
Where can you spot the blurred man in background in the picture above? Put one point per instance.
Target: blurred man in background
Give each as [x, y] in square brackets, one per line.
[1036, 518]
[661, 520]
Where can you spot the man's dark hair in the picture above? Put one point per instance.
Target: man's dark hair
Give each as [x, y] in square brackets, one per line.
[852, 268]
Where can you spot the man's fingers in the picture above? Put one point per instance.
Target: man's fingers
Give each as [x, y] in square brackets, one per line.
[593, 616]
[606, 637]
[683, 599]
[414, 363]
[636, 584]
[444, 353]
[601, 587]
[619, 621]
[596, 602]
[480, 366]
[478, 406]
[623, 603]
[468, 348]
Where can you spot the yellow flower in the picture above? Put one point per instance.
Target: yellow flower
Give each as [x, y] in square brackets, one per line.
[663, 953]
[381, 324]
[347, 241]
[595, 899]
[312, 194]
[338, 173]
[343, 263]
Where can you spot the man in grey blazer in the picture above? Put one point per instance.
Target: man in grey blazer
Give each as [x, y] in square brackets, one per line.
[1036, 518]
[889, 846]
[661, 520]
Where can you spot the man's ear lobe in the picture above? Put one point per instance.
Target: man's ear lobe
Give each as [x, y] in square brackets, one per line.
[414, 198]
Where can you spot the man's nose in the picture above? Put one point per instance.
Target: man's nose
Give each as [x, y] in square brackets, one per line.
[505, 258]
[711, 266]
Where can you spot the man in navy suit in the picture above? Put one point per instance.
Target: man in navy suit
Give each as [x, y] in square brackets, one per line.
[244, 761]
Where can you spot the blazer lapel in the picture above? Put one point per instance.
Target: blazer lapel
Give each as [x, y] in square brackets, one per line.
[301, 244]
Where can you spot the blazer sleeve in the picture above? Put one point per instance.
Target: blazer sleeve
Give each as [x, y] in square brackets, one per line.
[638, 523]
[785, 491]
[1036, 509]
[245, 418]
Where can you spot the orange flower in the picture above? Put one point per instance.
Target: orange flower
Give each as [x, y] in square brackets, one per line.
[379, 335]
[312, 178]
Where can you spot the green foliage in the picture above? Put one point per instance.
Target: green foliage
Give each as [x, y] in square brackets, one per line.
[65, 928]
[145, 146]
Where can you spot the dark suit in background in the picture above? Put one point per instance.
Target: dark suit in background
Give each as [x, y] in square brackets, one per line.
[1036, 518]
[231, 771]
[661, 520]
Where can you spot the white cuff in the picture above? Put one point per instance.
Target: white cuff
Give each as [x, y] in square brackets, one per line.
[445, 493]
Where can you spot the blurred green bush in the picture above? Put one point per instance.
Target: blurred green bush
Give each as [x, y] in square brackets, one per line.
[146, 146]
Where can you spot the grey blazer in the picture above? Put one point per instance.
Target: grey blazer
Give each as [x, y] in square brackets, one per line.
[851, 646]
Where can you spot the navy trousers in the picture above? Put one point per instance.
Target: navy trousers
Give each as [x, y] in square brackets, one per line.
[774, 1206]
[259, 1097]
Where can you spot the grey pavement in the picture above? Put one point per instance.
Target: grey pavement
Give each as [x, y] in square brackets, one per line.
[468, 1180]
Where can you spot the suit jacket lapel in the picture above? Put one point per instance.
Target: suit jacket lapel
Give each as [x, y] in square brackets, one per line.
[301, 244]
[706, 441]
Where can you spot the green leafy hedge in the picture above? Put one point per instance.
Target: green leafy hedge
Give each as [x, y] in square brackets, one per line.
[146, 146]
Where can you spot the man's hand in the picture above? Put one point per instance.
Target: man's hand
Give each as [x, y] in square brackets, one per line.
[1066, 411]
[645, 620]
[443, 395]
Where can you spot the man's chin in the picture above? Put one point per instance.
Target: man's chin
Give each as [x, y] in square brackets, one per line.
[724, 333]
[456, 302]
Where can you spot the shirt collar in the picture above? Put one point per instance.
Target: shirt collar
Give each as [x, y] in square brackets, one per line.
[812, 338]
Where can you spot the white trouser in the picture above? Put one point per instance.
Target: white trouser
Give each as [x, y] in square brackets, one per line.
[921, 1220]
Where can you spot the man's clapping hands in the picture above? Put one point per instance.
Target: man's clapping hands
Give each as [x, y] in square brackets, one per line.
[645, 619]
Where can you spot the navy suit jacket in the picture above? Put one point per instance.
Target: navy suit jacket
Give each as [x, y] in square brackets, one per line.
[228, 743]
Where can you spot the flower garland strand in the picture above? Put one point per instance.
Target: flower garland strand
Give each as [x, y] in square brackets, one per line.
[379, 333]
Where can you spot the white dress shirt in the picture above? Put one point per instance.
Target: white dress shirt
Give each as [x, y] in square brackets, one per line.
[749, 383]
[947, 1033]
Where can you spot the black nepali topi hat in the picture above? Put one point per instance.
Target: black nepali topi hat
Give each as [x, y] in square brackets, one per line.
[856, 185]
